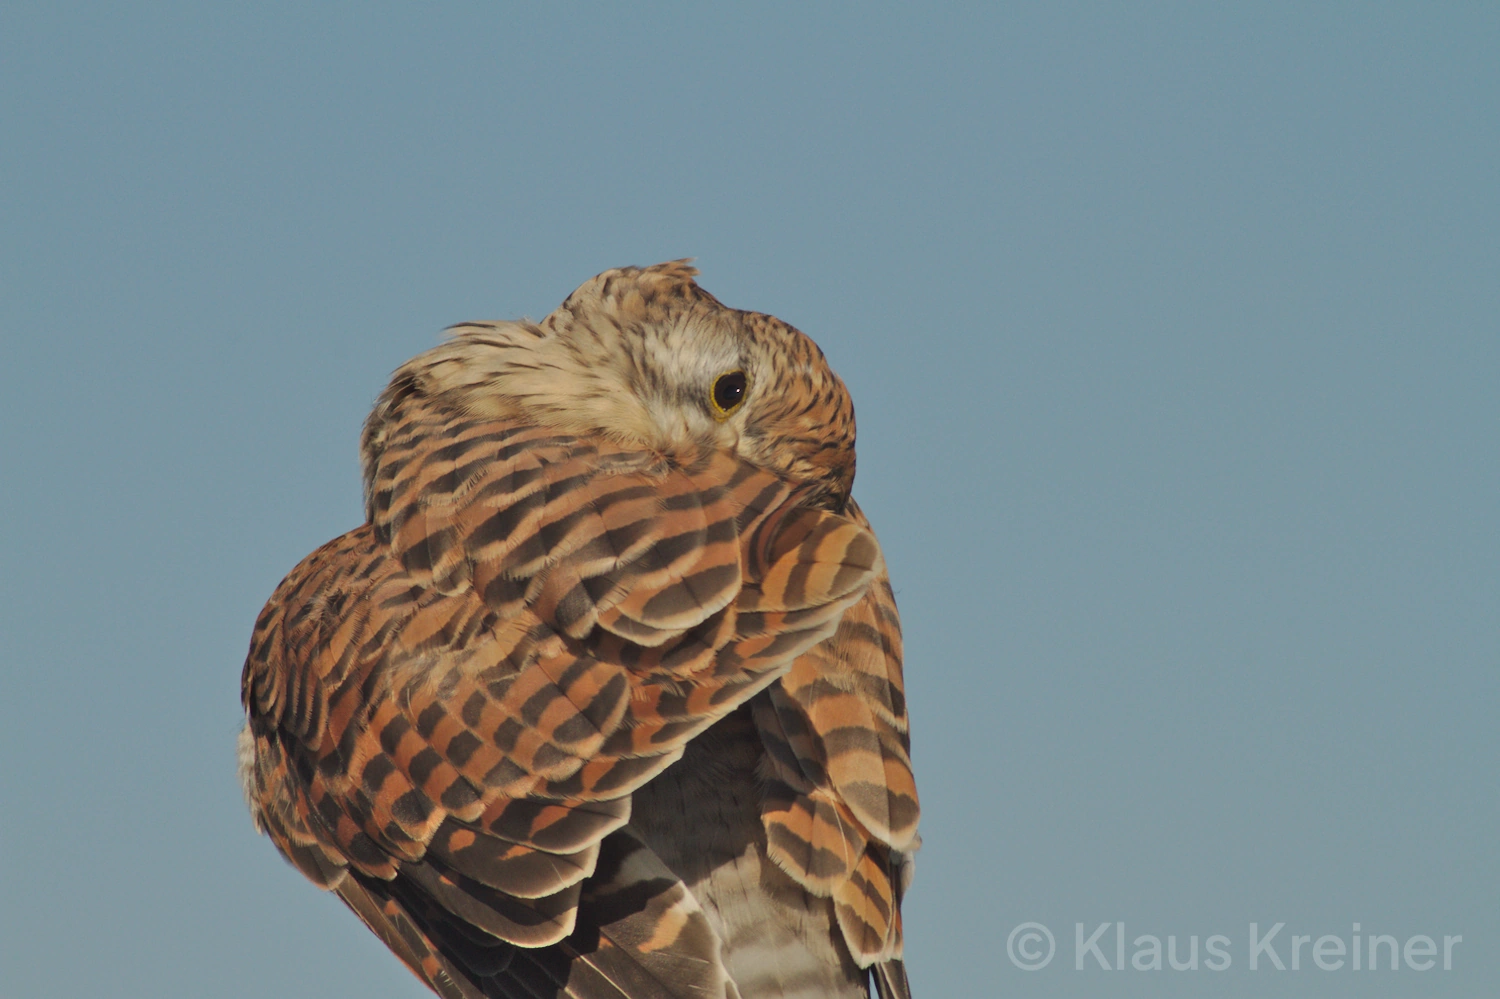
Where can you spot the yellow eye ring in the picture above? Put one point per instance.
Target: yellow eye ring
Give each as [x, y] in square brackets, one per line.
[728, 392]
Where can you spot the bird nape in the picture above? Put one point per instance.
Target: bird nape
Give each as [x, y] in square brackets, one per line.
[604, 698]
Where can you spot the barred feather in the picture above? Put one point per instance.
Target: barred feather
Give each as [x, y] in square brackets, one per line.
[572, 568]
[841, 810]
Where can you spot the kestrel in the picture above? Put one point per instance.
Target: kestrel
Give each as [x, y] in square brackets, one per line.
[604, 698]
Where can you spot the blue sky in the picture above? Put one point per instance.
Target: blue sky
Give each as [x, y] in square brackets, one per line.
[1172, 335]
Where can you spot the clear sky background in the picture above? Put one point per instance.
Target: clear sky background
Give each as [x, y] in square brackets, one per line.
[1173, 337]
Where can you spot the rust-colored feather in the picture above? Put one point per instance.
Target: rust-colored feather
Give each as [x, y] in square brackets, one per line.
[450, 706]
[841, 813]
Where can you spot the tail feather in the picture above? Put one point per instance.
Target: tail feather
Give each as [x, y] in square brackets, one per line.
[890, 980]
[645, 934]
[639, 932]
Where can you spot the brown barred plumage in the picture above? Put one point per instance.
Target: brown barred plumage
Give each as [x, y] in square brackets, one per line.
[605, 697]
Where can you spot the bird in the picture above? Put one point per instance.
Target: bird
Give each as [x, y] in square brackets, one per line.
[604, 697]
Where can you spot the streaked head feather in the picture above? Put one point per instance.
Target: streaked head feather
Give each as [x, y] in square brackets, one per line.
[633, 354]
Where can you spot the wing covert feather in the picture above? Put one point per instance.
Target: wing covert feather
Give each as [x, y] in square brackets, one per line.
[841, 807]
[450, 706]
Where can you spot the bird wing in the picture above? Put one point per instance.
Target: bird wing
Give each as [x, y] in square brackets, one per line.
[450, 706]
[841, 810]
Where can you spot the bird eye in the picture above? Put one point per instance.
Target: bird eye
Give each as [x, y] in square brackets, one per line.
[728, 393]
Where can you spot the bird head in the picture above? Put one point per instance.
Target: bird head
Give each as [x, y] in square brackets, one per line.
[645, 357]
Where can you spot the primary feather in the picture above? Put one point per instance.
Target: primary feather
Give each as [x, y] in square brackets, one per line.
[604, 698]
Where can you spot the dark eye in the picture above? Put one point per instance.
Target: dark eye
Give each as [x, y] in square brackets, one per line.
[729, 392]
